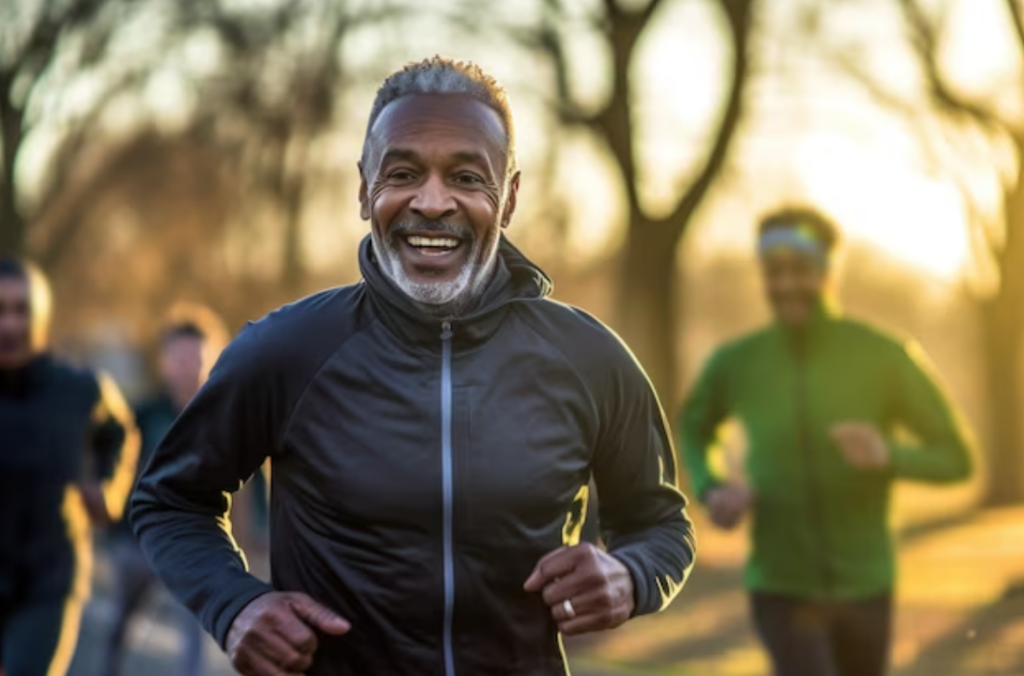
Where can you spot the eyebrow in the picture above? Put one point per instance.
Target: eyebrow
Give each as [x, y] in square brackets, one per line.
[462, 156]
[399, 154]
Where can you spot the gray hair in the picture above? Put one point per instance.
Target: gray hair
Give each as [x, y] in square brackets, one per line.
[442, 75]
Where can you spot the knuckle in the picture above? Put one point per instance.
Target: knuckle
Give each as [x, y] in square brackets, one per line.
[297, 663]
[309, 643]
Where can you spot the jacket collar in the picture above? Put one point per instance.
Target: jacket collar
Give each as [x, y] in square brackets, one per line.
[21, 381]
[516, 279]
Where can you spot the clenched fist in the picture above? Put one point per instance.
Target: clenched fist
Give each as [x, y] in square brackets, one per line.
[728, 503]
[276, 634]
[586, 588]
[862, 445]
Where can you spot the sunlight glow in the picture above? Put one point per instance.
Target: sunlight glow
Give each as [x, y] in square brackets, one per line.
[879, 197]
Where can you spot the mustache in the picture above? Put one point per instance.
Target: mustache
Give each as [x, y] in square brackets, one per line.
[432, 226]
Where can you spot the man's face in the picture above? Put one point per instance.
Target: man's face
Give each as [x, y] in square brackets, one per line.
[184, 365]
[436, 193]
[15, 323]
[794, 283]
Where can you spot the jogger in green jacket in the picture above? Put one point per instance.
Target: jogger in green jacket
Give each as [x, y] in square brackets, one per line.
[823, 399]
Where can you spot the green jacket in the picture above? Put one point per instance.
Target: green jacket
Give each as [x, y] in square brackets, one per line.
[821, 527]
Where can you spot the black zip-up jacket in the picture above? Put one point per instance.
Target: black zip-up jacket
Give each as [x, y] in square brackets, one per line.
[420, 470]
[59, 426]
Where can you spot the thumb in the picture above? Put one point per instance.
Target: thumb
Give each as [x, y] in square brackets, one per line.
[319, 617]
[550, 566]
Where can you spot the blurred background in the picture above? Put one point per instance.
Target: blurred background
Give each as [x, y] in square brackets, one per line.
[155, 151]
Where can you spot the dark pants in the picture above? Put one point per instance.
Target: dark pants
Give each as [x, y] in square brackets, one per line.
[41, 603]
[38, 636]
[811, 638]
[136, 581]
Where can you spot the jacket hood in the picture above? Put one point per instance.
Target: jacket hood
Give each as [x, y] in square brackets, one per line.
[516, 279]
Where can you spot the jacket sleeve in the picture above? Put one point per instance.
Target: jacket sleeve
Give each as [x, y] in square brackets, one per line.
[942, 451]
[115, 443]
[180, 509]
[698, 423]
[642, 512]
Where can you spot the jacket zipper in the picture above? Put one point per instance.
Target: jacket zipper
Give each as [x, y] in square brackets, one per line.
[814, 497]
[446, 489]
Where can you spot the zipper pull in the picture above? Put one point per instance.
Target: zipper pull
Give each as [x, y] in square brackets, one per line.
[446, 330]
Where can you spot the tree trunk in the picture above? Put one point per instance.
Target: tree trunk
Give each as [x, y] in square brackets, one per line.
[1003, 334]
[1005, 396]
[12, 225]
[292, 268]
[647, 306]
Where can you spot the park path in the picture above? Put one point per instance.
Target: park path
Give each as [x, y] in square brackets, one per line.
[961, 613]
[960, 609]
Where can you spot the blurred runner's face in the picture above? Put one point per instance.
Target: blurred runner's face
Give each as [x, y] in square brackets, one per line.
[794, 283]
[15, 323]
[435, 191]
[184, 365]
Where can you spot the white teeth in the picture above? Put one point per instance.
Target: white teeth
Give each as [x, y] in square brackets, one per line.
[436, 242]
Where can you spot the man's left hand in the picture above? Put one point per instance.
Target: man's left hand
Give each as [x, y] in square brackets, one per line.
[862, 445]
[586, 588]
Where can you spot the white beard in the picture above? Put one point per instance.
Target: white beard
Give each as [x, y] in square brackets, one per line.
[442, 298]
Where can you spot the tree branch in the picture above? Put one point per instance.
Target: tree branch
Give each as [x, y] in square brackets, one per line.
[924, 38]
[1017, 20]
[738, 13]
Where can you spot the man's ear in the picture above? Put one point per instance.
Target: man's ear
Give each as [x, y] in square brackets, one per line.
[510, 200]
[364, 195]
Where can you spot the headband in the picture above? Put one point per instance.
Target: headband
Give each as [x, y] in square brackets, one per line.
[798, 238]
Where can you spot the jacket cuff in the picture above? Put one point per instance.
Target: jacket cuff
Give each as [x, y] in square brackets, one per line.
[231, 601]
[644, 602]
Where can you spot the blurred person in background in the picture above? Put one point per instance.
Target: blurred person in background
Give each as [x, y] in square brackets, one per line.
[190, 340]
[822, 398]
[68, 449]
[433, 430]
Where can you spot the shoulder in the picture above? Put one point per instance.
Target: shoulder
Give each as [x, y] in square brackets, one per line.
[298, 336]
[152, 406]
[604, 363]
[872, 337]
[746, 346]
[82, 381]
[581, 337]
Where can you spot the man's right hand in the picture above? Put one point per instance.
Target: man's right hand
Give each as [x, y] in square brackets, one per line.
[728, 503]
[276, 634]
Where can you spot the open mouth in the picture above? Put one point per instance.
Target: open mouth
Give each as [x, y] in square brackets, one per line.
[433, 245]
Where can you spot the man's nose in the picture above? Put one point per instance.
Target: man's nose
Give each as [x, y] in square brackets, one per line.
[434, 200]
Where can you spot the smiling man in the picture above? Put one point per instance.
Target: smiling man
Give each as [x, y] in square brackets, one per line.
[433, 431]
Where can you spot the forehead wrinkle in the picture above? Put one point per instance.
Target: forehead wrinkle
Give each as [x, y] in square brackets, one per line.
[462, 113]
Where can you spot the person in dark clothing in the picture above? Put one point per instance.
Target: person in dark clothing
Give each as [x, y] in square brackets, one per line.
[821, 398]
[51, 415]
[433, 430]
[190, 340]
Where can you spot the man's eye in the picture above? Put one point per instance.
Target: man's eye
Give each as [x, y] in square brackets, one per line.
[401, 175]
[469, 179]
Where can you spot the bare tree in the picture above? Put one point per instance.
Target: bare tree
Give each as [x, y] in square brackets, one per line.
[961, 116]
[32, 36]
[276, 95]
[648, 302]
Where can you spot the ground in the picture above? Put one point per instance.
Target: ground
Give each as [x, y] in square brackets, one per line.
[961, 613]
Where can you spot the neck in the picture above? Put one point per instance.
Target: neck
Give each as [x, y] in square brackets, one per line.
[181, 396]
